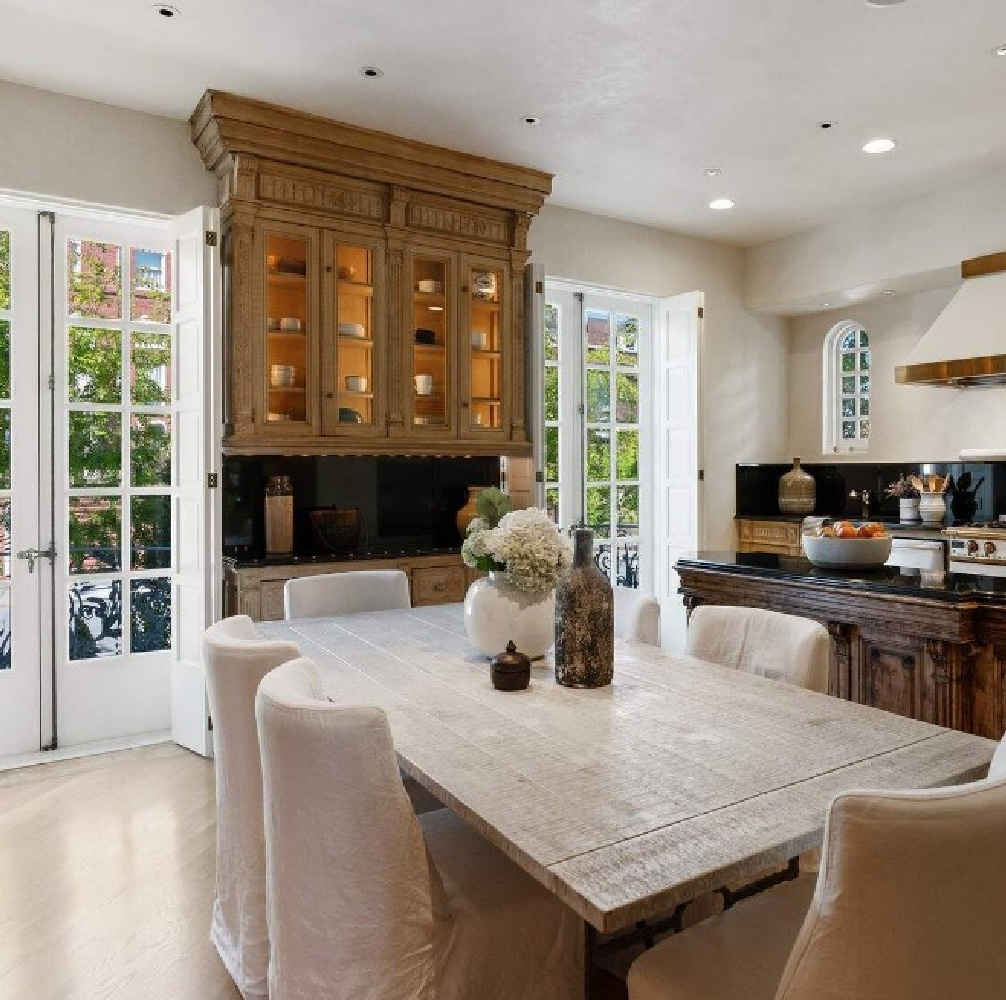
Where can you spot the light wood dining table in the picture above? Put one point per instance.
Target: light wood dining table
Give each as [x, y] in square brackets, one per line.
[625, 801]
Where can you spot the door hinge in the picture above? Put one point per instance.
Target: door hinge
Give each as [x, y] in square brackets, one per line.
[212, 480]
[539, 476]
[580, 409]
[702, 475]
[52, 383]
[539, 287]
[211, 238]
[702, 311]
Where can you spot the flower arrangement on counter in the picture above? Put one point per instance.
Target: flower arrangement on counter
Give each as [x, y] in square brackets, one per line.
[903, 488]
[524, 545]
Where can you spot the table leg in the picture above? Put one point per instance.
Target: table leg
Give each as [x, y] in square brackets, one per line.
[589, 946]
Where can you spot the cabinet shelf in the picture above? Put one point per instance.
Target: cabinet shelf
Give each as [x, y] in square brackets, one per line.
[483, 304]
[429, 298]
[359, 288]
[286, 334]
[364, 342]
[486, 400]
[429, 350]
[286, 278]
[292, 390]
[485, 355]
[355, 394]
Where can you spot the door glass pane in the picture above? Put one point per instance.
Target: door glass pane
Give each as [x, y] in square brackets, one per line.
[599, 508]
[598, 454]
[551, 392]
[150, 614]
[485, 287]
[287, 307]
[151, 368]
[4, 359]
[552, 502]
[354, 297]
[5, 552]
[4, 269]
[95, 534]
[431, 347]
[4, 448]
[95, 619]
[628, 510]
[150, 450]
[551, 454]
[598, 396]
[95, 449]
[4, 628]
[598, 337]
[627, 564]
[149, 286]
[150, 536]
[627, 338]
[551, 332]
[627, 455]
[94, 280]
[94, 365]
[627, 406]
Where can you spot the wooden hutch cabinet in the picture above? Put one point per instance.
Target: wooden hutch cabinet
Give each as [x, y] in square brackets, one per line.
[374, 287]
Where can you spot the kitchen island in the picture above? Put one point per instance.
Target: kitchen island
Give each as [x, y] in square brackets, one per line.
[926, 646]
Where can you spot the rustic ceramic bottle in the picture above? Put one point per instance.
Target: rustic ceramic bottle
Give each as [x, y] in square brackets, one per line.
[797, 491]
[584, 620]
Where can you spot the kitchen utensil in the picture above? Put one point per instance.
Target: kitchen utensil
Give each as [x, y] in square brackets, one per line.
[356, 383]
[424, 336]
[347, 415]
[347, 272]
[290, 323]
[424, 385]
[355, 330]
[847, 553]
[429, 286]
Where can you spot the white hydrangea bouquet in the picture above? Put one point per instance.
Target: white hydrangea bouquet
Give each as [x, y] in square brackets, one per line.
[525, 545]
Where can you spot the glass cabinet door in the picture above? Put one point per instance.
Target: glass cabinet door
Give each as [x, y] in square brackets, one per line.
[287, 336]
[355, 376]
[431, 343]
[485, 348]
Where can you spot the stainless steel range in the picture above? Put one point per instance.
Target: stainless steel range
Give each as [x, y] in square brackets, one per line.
[979, 549]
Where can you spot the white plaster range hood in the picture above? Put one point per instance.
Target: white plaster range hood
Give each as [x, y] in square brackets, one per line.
[966, 346]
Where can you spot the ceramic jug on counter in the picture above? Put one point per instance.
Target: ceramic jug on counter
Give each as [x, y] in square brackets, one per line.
[797, 491]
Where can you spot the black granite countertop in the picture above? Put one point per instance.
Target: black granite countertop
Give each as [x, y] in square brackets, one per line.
[313, 558]
[954, 587]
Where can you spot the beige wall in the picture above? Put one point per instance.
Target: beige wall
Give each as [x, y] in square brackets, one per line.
[911, 244]
[744, 358]
[63, 147]
[909, 423]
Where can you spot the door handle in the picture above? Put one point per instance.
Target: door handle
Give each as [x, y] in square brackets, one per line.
[32, 554]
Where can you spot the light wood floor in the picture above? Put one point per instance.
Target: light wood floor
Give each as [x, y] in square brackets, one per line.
[106, 879]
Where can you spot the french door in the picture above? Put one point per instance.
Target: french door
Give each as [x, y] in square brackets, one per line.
[94, 481]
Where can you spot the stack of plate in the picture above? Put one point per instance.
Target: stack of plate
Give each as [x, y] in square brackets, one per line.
[282, 376]
[355, 330]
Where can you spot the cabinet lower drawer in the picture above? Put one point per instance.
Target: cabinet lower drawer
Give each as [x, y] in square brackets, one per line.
[438, 585]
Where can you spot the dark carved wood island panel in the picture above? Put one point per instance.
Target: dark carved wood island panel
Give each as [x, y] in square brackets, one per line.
[934, 652]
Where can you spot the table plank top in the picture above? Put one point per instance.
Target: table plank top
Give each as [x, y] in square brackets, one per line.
[679, 777]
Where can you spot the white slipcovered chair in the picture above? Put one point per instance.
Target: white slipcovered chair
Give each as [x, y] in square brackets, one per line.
[784, 647]
[637, 616]
[237, 658]
[909, 904]
[346, 593]
[368, 902]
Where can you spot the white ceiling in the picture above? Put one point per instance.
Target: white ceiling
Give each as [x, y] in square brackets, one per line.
[636, 97]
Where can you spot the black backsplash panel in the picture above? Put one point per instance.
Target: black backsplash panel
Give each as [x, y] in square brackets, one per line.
[406, 504]
[758, 487]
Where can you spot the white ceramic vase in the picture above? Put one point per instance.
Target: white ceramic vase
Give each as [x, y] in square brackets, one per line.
[932, 507]
[908, 508]
[497, 612]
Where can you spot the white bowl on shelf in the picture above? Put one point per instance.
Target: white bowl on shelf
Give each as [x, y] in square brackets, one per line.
[430, 286]
[356, 383]
[290, 324]
[424, 385]
[847, 553]
[354, 330]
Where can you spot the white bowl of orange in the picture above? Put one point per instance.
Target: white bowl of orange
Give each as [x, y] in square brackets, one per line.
[845, 545]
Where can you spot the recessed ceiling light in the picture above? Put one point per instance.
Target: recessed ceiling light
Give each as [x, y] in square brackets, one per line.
[721, 204]
[883, 3]
[166, 10]
[890, 291]
[999, 50]
[712, 171]
[371, 72]
[531, 121]
[827, 305]
[826, 125]
[879, 146]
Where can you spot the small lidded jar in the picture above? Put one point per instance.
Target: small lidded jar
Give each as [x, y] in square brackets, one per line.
[511, 671]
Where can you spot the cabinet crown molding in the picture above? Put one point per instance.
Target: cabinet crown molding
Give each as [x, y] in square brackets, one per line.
[226, 125]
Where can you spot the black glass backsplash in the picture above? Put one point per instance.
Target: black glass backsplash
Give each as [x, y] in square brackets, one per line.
[758, 488]
[406, 504]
